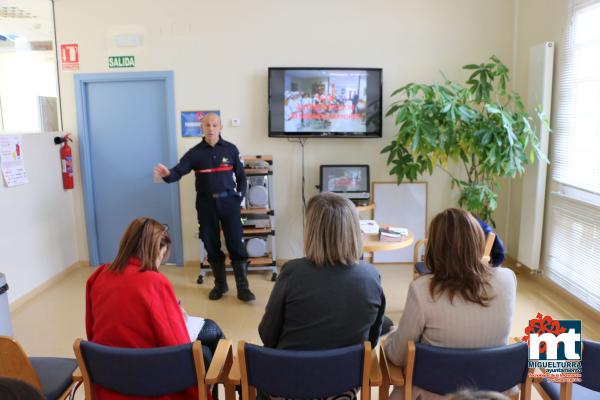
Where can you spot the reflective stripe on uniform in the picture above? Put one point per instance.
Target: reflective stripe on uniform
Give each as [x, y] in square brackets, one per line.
[218, 169]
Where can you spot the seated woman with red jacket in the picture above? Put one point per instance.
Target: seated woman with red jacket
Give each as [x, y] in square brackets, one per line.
[130, 304]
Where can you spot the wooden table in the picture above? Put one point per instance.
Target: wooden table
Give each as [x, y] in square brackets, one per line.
[372, 243]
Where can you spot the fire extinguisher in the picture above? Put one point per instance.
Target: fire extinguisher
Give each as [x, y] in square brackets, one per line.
[66, 160]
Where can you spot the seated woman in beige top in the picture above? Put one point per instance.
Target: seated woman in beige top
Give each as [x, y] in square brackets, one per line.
[463, 303]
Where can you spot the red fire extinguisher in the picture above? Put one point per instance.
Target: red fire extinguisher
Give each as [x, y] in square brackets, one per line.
[66, 160]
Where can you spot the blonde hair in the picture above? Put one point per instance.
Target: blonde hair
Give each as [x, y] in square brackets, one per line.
[332, 234]
[143, 239]
[453, 254]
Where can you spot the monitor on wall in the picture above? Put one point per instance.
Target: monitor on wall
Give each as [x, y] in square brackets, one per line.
[325, 102]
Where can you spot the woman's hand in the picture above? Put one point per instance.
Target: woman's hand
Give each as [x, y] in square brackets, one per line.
[184, 313]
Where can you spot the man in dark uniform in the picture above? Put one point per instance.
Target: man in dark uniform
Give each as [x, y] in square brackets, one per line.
[216, 162]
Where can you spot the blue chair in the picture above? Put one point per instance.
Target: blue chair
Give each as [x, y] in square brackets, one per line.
[420, 268]
[51, 376]
[445, 370]
[587, 389]
[147, 372]
[301, 374]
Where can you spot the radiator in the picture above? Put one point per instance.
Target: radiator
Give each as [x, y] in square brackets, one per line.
[541, 60]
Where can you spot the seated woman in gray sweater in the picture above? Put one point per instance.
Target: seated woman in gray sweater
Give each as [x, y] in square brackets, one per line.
[330, 298]
[463, 303]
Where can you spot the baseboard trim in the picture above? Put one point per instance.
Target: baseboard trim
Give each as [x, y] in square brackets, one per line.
[18, 303]
[560, 294]
[196, 263]
[191, 264]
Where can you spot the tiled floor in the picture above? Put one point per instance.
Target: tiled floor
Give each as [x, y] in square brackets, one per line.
[48, 324]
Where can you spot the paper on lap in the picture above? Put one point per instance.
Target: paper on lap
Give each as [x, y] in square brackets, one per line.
[194, 326]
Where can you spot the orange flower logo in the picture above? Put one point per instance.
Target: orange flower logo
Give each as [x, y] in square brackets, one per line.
[540, 325]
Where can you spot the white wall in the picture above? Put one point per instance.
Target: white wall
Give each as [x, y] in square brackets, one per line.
[220, 52]
[538, 21]
[37, 220]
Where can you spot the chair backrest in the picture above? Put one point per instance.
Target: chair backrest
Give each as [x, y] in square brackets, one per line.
[590, 377]
[489, 244]
[419, 250]
[141, 372]
[304, 374]
[590, 368]
[446, 370]
[15, 363]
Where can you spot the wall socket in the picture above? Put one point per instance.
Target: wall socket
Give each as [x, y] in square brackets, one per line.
[236, 122]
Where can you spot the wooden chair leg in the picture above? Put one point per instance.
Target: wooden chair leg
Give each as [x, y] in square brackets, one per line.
[229, 391]
[566, 391]
[384, 388]
[526, 386]
[69, 393]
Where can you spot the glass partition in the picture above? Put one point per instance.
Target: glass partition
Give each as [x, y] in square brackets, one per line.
[28, 68]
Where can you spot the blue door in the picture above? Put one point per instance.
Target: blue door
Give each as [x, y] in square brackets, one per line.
[126, 125]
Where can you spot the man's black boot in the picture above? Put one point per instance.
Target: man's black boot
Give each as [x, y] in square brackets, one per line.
[218, 270]
[240, 269]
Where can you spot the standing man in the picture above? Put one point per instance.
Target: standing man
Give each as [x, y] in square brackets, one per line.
[220, 186]
[355, 103]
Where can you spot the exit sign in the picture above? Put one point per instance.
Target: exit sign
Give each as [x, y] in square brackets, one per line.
[121, 62]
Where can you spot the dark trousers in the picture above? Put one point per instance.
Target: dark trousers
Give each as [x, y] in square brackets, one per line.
[219, 213]
[209, 335]
[386, 325]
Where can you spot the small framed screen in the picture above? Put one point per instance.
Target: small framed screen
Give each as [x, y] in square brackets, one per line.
[351, 181]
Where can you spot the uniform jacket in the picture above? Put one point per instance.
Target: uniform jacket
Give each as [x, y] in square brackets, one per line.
[215, 168]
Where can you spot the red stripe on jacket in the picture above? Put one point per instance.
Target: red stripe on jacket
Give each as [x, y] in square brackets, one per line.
[212, 170]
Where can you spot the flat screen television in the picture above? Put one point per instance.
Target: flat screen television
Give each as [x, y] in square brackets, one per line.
[325, 102]
[350, 181]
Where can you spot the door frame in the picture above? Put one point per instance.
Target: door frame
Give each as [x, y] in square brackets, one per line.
[81, 81]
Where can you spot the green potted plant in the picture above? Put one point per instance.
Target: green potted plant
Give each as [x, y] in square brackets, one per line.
[480, 126]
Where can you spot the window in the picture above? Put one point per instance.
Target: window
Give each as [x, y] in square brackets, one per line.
[28, 74]
[577, 146]
[572, 237]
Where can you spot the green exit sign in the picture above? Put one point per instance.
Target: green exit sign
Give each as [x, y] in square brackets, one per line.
[121, 62]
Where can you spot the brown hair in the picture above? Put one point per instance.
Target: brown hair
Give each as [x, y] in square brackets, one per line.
[332, 235]
[453, 254]
[143, 239]
[15, 389]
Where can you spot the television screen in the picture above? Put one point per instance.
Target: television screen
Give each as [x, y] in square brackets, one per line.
[325, 102]
[351, 181]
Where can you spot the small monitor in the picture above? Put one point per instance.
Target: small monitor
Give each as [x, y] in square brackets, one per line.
[350, 181]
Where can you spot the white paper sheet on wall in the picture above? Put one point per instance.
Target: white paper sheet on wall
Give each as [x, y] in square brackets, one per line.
[405, 206]
[12, 161]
